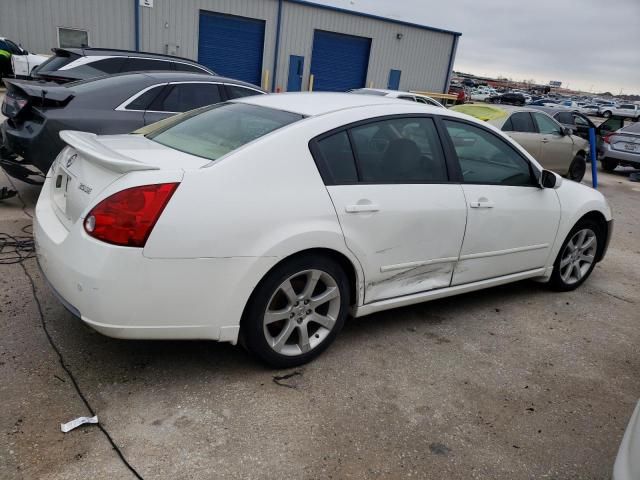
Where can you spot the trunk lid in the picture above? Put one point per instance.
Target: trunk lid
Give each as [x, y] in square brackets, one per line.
[91, 163]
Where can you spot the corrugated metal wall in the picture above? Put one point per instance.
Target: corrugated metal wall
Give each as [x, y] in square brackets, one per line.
[421, 55]
[171, 26]
[33, 23]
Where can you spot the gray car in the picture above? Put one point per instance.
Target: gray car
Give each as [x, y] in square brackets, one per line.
[38, 111]
[622, 147]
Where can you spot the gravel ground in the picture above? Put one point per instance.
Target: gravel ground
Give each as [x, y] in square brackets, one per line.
[515, 382]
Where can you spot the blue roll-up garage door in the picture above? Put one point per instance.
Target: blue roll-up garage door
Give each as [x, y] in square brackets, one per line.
[339, 62]
[231, 46]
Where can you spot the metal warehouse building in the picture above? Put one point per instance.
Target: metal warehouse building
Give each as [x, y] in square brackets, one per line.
[285, 45]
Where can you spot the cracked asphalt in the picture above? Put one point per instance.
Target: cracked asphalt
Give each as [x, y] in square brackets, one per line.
[515, 382]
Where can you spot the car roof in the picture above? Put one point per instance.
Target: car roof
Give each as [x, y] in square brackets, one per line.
[96, 51]
[166, 76]
[318, 103]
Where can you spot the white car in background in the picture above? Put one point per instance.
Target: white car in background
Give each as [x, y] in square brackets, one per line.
[273, 217]
[412, 97]
[22, 62]
[481, 94]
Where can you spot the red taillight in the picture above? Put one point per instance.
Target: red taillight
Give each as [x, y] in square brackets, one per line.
[607, 137]
[126, 218]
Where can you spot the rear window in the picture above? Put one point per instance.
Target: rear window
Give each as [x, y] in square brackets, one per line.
[56, 62]
[221, 128]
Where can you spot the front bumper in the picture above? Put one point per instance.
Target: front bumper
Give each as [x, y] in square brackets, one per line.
[627, 466]
[123, 294]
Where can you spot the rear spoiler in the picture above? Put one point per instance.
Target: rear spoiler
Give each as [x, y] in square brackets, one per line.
[96, 152]
[54, 94]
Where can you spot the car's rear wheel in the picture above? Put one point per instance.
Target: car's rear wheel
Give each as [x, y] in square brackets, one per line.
[577, 257]
[606, 114]
[608, 165]
[296, 311]
[577, 168]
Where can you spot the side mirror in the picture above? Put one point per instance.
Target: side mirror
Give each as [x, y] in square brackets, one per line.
[566, 131]
[548, 179]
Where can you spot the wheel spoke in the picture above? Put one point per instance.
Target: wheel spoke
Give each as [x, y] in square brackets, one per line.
[326, 296]
[588, 243]
[288, 290]
[272, 316]
[571, 246]
[576, 270]
[565, 261]
[586, 258]
[325, 321]
[303, 333]
[284, 335]
[580, 240]
[312, 281]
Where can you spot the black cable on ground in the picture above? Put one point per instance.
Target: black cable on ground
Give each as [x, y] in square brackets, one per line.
[20, 259]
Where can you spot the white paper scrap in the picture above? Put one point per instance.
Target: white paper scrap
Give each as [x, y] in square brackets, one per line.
[67, 427]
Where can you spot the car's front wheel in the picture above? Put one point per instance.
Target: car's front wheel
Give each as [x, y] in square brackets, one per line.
[577, 257]
[296, 311]
[577, 168]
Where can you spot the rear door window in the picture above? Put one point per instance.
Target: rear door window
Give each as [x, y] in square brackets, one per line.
[136, 64]
[109, 65]
[337, 158]
[142, 102]
[520, 122]
[183, 97]
[565, 117]
[59, 60]
[187, 67]
[399, 150]
[236, 91]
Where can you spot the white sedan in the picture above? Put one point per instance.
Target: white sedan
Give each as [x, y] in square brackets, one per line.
[273, 217]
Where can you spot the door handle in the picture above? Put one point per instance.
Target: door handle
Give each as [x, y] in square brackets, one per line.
[359, 208]
[481, 204]
[545, 140]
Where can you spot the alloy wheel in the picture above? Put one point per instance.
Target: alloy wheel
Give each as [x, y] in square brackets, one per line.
[302, 312]
[578, 256]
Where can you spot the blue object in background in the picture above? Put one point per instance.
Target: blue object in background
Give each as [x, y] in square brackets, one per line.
[231, 45]
[394, 79]
[594, 157]
[339, 62]
[296, 67]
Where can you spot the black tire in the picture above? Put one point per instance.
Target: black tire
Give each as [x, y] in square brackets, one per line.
[606, 114]
[556, 281]
[252, 324]
[578, 168]
[608, 165]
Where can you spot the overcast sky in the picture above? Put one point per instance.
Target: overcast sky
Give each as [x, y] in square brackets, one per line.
[585, 44]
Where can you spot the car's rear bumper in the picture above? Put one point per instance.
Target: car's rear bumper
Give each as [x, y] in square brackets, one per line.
[627, 466]
[627, 158]
[121, 293]
[33, 142]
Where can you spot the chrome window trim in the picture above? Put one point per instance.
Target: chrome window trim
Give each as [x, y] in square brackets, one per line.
[123, 106]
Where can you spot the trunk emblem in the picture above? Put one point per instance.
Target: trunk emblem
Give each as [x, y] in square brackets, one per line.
[86, 189]
[71, 159]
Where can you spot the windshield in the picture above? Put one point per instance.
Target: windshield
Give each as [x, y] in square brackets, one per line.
[221, 128]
